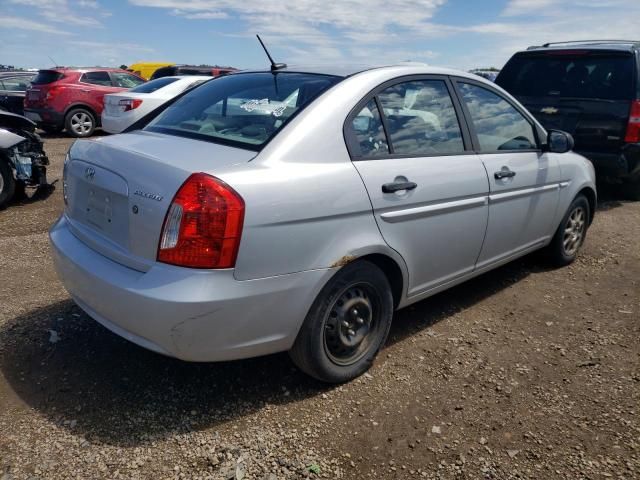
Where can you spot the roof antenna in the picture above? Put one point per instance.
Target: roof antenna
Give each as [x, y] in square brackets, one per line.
[274, 66]
[53, 61]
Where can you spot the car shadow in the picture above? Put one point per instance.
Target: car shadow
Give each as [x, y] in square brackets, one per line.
[82, 377]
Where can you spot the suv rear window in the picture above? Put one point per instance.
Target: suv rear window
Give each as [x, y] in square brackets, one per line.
[164, 72]
[153, 85]
[46, 76]
[596, 76]
[245, 110]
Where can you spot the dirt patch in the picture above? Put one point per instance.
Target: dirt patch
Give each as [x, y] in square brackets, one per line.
[525, 372]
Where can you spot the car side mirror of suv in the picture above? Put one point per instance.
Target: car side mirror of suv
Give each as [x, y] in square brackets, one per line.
[559, 141]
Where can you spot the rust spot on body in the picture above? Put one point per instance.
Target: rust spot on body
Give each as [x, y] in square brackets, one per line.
[343, 261]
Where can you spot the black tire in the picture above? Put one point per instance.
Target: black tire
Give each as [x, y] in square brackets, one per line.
[80, 122]
[346, 326]
[571, 233]
[7, 183]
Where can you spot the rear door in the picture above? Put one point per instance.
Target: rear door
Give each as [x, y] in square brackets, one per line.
[584, 92]
[524, 182]
[92, 88]
[427, 187]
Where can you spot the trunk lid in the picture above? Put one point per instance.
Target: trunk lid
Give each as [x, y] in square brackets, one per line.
[119, 188]
[596, 125]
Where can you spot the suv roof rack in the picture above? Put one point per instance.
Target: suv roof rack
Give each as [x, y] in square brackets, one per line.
[588, 42]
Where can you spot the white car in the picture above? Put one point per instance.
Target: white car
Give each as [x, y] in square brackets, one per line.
[122, 110]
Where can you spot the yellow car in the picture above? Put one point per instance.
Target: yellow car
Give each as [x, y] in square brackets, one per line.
[146, 69]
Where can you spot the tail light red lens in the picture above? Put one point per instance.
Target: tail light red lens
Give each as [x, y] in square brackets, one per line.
[52, 93]
[633, 127]
[203, 226]
[130, 103]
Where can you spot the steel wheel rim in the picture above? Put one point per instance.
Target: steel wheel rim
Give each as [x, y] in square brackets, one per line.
[351, 323]
[574, 231]
[81, 123]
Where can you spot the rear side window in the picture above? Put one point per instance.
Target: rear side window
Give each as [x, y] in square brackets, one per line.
[245, 110]
[153, 85]
[97, 78]
[498, 124]
[421, 119]
[46, 76]
[367, 128]
[126, 80]
[607, 77]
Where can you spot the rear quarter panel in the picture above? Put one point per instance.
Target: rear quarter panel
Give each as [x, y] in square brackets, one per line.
[306, 205]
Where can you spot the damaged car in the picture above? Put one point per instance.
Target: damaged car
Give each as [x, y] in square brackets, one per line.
[23, 162]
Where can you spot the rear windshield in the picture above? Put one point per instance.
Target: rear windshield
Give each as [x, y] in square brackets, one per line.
[153, 85]
[608, 77]
[164, 72]
[244, 110]
[46, 76]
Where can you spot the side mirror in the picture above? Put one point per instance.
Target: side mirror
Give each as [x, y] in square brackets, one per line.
[559, 141]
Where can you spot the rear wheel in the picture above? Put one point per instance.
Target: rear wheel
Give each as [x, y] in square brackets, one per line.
[571, 233]
[346, 325]
[80, 122]
[7, 183]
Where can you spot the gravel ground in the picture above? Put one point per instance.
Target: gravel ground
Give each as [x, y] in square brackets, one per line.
[525, 372]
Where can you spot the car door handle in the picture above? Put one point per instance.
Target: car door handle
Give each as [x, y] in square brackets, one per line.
[397, 186]
[504, 173]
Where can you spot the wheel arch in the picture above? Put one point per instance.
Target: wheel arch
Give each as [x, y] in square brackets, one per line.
[592, 198]
[84, 106]
[392, 271]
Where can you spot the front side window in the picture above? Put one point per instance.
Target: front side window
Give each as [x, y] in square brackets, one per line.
[421, 119]
[126, 80]
[498, 124]
[369, 132]
[246, 110]
[97, 78]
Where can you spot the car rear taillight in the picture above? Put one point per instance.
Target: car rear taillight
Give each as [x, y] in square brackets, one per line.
[129, 103]
[52, 93]
[203, 226]
[633, 127]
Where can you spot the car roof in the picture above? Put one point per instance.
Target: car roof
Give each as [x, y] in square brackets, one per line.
[350, 70]
[6, 73]
[85, 69]
[604, 45]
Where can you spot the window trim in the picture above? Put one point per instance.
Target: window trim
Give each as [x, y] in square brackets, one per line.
[472, 128]
[349, 134]
[96, 84]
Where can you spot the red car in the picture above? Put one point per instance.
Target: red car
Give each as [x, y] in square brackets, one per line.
[73, 98]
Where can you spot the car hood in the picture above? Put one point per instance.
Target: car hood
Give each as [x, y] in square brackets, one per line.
[13, 120]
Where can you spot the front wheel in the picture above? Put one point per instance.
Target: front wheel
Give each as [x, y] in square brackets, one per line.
[571, 233]
[80, 123]
[346, 326]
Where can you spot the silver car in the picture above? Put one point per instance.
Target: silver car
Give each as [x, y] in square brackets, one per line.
[296, 209]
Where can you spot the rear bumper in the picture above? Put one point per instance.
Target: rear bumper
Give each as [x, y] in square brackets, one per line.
[45, 116]
[193, 315]
[114, 124]
[623, 165]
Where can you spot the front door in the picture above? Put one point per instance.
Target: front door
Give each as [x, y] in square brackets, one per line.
[428, 189]
[524, 182]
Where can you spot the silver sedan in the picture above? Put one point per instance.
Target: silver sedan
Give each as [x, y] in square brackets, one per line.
[296, 209]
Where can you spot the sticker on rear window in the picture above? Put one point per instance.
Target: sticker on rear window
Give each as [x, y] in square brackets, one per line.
[263, 105]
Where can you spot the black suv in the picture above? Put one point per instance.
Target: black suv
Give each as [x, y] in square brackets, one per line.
[590, 89]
